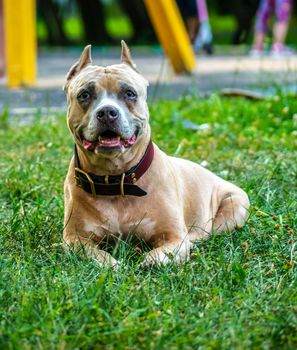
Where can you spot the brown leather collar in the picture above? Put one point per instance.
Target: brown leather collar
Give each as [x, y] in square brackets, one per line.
[114, 185]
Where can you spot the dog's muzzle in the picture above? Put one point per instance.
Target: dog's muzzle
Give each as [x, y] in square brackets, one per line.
[107, 114]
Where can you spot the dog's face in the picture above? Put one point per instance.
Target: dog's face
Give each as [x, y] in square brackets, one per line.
[107, 110]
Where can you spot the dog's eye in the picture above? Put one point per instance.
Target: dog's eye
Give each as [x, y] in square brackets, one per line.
[84, 96]
[130, 95]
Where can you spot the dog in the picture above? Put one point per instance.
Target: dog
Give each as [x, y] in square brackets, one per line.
[120, 183]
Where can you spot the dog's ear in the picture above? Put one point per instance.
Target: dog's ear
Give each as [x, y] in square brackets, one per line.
[126, 56]
[84, 60]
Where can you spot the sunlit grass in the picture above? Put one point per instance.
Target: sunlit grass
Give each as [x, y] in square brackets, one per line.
[238, 291]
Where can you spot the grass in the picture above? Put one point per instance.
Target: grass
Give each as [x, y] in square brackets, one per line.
[238, 291]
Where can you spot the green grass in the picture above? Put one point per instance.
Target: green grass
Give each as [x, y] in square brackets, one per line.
[238, 291]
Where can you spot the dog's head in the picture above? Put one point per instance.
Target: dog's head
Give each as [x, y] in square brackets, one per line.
[107, 110]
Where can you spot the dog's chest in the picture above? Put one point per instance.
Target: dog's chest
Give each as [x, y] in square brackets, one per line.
[124, 221]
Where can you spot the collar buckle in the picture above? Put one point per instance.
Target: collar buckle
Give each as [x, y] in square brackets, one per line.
[122, 185]
[91, 182]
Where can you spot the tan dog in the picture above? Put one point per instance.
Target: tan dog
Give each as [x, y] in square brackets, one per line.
[168, 202]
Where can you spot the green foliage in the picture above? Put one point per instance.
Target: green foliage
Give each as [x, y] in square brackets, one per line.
[238, 291]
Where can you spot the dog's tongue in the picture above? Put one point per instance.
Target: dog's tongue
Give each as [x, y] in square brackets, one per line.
[109, 141]
[130, 142]
[88, 144]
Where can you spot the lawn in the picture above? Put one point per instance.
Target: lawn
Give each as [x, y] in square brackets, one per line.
[238, 291]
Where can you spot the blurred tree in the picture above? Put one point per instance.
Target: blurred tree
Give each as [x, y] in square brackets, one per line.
[143, 30]
[92, 15]
[51, 13]
[244, 12]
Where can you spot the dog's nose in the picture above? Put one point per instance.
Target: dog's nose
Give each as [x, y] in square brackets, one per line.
[108, 113]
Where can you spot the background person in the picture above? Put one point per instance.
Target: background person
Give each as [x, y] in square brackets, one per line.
[282, 10]
[204, 38]
[196, 18]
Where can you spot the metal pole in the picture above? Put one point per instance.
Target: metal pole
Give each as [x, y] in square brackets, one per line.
[2, 53]
[172, 34]
[20, 42]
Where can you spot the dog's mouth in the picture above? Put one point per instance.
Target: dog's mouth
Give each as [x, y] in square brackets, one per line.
[109, 140]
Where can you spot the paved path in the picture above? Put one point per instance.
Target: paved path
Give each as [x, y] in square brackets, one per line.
[211, 74]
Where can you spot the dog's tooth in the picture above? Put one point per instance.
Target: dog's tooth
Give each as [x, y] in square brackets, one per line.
[99, 138]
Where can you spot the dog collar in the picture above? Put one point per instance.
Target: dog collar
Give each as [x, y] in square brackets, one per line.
[113, 185]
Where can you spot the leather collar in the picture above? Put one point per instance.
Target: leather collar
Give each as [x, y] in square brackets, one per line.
[114, 185]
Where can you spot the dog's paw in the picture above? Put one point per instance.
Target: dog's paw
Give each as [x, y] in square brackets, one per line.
[156, 257]
[104, 259]
[165, 255]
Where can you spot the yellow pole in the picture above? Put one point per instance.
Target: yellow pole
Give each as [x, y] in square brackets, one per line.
[20, 42]
[2, 58]
[172, 34]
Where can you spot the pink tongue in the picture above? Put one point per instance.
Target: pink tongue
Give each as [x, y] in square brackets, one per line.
[109, 142]
[130, 142]
[88, 144]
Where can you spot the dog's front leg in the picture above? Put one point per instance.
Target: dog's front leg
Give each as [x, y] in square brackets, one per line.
[92, 251]
[233, 210]
[102, 257]
[176, 250]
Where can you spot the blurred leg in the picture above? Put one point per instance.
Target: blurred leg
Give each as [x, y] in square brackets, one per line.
[263, 15]
[202, 10]
[283, 13]
[204, 37]
[188, 10]
[192, 24]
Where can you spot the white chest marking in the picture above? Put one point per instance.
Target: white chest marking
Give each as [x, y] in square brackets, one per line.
[144, 228]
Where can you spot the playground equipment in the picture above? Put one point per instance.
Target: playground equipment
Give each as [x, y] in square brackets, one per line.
[21, 40]
[172, 34]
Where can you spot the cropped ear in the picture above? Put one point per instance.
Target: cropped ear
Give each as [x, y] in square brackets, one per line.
[126, 56]
[84, 60]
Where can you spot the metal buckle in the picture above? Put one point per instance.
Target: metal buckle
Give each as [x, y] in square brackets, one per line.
[77, 182]
[122, 185]
[91, 182]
